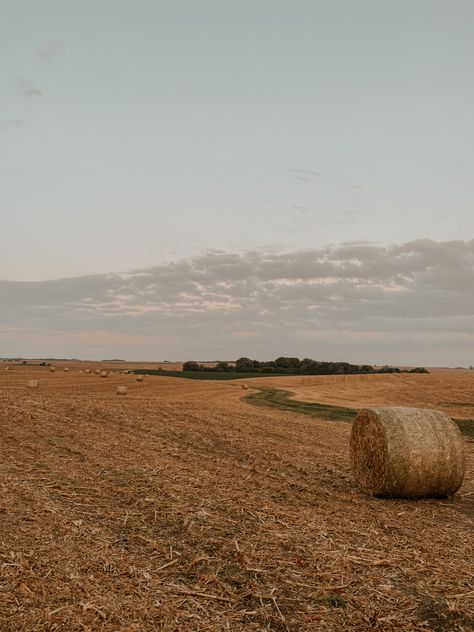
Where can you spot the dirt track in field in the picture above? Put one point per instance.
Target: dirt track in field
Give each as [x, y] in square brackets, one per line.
[180, 507]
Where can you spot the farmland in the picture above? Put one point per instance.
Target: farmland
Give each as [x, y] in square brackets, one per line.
[182, 507]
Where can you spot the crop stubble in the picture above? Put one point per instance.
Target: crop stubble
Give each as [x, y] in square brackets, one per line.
[180, 507]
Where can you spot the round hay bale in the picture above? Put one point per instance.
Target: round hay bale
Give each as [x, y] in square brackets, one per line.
[121, 390]
[33, 384]
[139, 378]
[66, 369]
[7, 368]
[406, 453]
[87, 371]
[97, 371]
[52, 369]
[244, 386]
[104, 374]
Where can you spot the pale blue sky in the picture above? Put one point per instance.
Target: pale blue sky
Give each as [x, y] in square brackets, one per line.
[134, 132]
[147, 135]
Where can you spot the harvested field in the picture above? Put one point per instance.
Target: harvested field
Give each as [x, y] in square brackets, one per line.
[181, 507]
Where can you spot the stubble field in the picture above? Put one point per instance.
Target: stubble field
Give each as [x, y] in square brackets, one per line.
[181, 507]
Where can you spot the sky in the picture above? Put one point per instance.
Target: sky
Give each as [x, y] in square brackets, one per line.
[146, 143]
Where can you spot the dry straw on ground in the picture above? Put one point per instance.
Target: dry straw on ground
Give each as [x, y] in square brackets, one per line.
[406, 453]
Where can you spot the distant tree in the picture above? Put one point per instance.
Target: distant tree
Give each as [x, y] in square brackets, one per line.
[191, 366]
[245, 365]
[223, 367]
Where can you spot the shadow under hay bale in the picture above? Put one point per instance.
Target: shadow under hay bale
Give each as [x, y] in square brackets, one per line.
[406, 453]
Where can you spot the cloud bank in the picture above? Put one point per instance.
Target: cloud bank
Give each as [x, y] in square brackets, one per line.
[408, 303]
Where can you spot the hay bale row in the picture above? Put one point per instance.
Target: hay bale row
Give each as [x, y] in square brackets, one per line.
[406, 453]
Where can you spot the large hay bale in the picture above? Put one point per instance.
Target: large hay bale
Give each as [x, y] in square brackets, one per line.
[406, 453]
[33, 384]
[121, 390]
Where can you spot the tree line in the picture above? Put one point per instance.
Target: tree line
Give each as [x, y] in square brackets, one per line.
[294, 366]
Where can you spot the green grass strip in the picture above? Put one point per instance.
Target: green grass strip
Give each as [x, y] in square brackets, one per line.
[277, 398]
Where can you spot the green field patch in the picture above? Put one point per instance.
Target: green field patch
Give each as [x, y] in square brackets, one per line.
[466, 426]
[203, 375]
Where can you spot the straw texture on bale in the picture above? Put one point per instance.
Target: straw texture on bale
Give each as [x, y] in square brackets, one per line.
[121, 390]
[406, 453]
[33, 383]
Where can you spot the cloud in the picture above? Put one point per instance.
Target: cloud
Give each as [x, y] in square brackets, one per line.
[411, 302]
[11, 124]
[47, 53]
[28, 89]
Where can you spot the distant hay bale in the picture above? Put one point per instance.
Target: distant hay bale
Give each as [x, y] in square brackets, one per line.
[33, 384]
[104, 374]
[7, 368]
[139, 378]
[66, 369]
[406, 453]
[121, 390]
[244, 386]
[87, 371]
[52, 369]
[97, 371]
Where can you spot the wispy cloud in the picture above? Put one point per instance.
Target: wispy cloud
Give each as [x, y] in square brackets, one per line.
[47, 53]
[28, 89]
[11, 124]
[411, 302]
